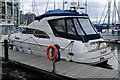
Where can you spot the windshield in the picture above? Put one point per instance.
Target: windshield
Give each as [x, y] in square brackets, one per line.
[86, 25]
[70, 27]
[77, 26]
[74, 26]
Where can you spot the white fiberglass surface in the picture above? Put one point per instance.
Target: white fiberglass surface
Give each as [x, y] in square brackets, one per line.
[86, 25]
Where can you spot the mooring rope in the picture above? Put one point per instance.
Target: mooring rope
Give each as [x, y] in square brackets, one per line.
[38, 44]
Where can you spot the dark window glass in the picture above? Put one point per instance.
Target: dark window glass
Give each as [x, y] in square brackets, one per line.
[3, 8]
[40, 34]
[59, 25]
[77, 26]
[9, 9]
[70, 27]
[35, 32]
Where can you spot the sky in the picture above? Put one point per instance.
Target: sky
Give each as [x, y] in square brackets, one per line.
[94, 7]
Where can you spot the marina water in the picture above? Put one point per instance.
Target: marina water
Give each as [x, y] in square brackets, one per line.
[114, 61]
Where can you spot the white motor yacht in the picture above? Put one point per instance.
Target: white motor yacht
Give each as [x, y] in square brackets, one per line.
[72, 31]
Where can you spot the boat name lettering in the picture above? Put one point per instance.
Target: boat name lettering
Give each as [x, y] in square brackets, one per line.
[102, 52]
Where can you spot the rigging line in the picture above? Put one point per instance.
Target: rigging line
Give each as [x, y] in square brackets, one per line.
[113, 14]
[102, 14]
[105, 17]
[117, 12]
[25, 39]
[38, 44]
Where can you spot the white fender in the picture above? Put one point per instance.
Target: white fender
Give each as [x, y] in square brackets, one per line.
[21, 49]
[14, 48]
[29, 51]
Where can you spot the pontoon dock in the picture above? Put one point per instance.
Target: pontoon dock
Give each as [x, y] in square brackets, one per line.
[63, 68]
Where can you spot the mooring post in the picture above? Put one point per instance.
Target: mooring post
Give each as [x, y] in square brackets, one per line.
[54, 71]
[6, 50]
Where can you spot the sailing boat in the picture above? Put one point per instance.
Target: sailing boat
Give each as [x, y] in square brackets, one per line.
[113, 31]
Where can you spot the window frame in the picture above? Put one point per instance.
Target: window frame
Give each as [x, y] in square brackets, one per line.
[75, 28]
[71, 19]
[33, 32]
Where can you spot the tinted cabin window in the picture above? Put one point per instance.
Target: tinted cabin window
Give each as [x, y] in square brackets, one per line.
[73, 26]
[78, 28]
[36, 33]
[40, 34]
[59, 25]
[70, 27]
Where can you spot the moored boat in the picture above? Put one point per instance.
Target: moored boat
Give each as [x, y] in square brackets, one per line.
[72, 31]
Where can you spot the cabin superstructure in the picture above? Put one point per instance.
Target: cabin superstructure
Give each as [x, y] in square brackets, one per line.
[70, 24]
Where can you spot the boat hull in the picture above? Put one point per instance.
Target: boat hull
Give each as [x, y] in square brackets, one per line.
[89, 58]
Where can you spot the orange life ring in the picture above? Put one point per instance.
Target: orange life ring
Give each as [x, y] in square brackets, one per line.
[48, 53]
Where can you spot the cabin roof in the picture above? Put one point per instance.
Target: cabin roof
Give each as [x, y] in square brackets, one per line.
[59, 13]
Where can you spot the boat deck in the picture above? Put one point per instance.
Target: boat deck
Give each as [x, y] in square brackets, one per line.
[63, 68]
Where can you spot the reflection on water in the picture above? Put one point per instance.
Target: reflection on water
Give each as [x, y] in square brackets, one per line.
[114, 60]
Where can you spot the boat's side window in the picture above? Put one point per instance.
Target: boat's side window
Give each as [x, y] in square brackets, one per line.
[40, 34]
[59, 25]
[70, 27]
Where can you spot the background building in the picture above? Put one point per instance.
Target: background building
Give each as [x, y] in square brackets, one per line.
[9, 15]
[27, 18]
[9, 11]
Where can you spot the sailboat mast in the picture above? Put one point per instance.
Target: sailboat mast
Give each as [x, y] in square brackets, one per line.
[109, 11]
[115, 10]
